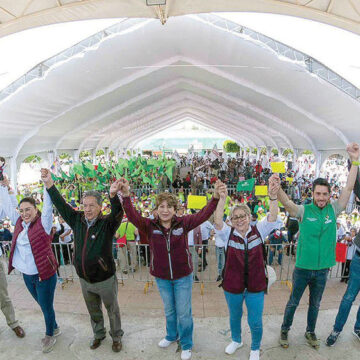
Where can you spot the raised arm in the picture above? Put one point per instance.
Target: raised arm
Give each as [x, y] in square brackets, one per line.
[134, 217]
[47, 213]
[117, 211]
[289, 206]
[8, 205]
[274, 187]
[190, 222]
[65, 210]
[219, 212]
[354, 151]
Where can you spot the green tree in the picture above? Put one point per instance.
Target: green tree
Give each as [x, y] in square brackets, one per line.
[287, 152]
[64, 156]
[231, 146]
[84, 153]
[307, 152]
[32, 159]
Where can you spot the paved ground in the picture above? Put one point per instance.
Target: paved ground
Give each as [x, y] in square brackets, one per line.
[144, 324]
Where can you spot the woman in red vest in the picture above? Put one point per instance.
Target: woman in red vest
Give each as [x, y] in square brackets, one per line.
[244, 271]
[31, 254]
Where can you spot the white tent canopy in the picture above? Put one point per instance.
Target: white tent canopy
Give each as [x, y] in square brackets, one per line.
[24, 14]
[141, 77]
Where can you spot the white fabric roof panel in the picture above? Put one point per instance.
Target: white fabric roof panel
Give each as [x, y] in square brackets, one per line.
[24, 14]
[143, 81]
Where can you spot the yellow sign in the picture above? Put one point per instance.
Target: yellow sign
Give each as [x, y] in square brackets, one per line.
[289, 180]
[278, 167]
[261, 190]
[196, 202]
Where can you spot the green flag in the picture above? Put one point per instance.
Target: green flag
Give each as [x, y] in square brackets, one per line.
[55, 178]
[78, 169]
[246, 185]
[169, 172]
[63, 175]
[100, 168]
[145, 179]
[89, 170]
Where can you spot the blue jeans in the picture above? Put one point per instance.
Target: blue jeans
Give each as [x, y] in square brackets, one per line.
[255, 306]
[220, 258]
[43, 293]
[272, 250]
[352, 291]
[316, 280]
[176, 296]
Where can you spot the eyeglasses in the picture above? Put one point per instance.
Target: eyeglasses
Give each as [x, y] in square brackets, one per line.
[240, 217]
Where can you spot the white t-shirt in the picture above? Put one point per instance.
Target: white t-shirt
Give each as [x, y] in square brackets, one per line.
[206, 228]
[67, 238]
[191, 238]
[264, 227]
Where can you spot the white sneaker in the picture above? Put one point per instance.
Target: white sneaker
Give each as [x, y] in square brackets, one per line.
[165, 343]
[186, 355]
[254, 355]
[232, 347]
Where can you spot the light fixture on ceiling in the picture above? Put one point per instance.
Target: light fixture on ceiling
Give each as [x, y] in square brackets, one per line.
[155, 2]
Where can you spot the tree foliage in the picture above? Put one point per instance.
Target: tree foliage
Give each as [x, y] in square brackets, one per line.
[231, 146]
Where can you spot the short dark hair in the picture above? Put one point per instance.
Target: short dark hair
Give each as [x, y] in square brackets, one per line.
[28, 200]
[321, 182]
[94, 194]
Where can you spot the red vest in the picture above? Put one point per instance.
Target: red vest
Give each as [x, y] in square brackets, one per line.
[244, 265]
[40, 243]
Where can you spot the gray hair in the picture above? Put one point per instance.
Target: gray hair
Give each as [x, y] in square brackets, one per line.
[242, 207]
[94, 194]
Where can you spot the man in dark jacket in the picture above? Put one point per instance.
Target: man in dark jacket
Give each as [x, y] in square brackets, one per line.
[93, 259]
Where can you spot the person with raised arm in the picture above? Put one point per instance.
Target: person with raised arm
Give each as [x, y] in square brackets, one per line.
[244, 274]
[93, 256]
[170, 260]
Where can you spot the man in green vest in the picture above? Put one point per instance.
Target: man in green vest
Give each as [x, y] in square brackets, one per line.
[316, 246]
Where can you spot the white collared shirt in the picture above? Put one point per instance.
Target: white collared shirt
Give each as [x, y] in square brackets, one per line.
[264, 227]
[23, 259]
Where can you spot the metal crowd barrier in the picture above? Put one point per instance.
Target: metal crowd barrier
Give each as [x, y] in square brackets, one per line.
[133, 262]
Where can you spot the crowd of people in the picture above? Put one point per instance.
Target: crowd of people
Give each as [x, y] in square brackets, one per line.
[304, 212]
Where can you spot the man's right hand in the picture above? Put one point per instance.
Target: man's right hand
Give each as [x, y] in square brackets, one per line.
[124, 187]
[46, 178]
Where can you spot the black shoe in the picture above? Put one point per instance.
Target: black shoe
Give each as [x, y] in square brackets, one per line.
[219, 278]
[95, 343]
[196, 279]
[284, 341]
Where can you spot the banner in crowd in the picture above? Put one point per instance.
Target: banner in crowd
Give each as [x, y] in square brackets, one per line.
[261, 190]
[196, 202]
[278, 167]
[246, 185]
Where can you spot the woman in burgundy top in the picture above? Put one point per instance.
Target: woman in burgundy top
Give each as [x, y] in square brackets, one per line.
[170, 260]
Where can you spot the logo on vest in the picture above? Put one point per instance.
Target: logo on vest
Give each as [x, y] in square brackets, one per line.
[253, 237]
[157, 232]
[327, 220]
[178, 232]
[311, 219]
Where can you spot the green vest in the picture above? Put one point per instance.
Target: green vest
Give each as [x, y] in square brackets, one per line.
[317, 240]
[130, 231]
